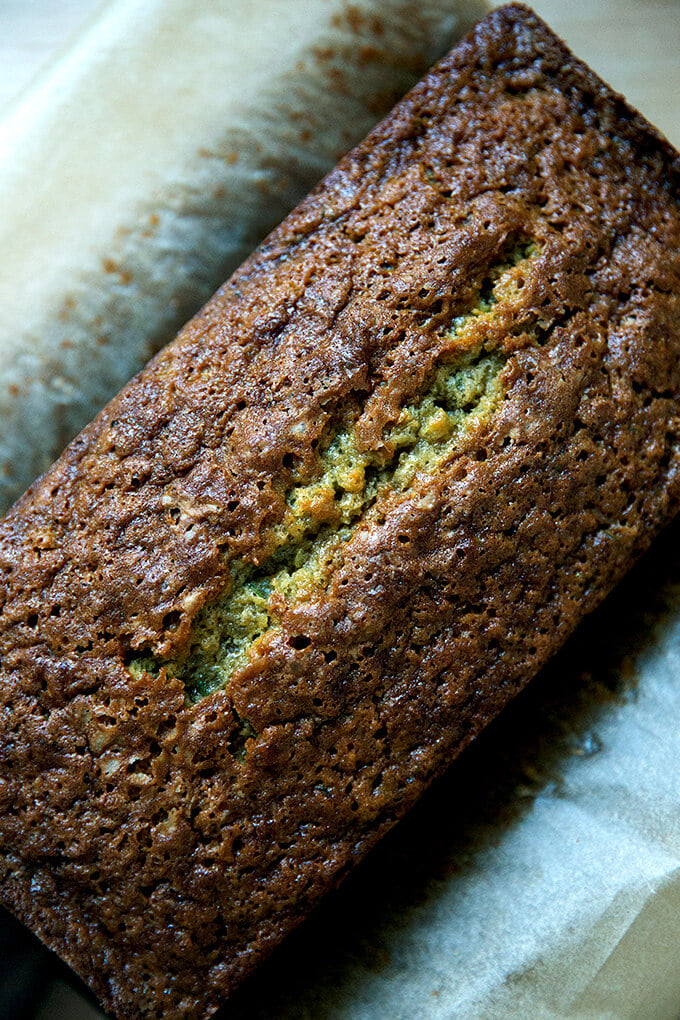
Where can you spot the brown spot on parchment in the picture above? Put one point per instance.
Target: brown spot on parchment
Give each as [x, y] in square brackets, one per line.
[111, 266]
[67, 307]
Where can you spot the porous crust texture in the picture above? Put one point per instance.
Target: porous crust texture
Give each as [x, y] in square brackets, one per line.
[162, 844]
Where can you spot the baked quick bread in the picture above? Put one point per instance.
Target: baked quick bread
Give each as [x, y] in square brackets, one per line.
[325, 536]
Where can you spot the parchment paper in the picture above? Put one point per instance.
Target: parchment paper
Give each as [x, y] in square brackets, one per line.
[541, 877]
[151, 160]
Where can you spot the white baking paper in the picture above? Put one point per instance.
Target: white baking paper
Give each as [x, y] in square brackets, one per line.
[150, 161]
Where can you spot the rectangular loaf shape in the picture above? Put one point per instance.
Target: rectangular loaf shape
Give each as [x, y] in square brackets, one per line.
[327, 534]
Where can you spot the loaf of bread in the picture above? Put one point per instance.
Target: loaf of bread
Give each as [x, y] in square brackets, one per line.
[325, 536]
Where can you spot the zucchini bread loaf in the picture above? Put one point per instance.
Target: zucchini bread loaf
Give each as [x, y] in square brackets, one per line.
[326, 535]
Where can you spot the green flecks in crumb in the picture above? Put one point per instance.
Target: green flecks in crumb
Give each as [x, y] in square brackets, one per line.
[237, 741]
[319, 516]
[222, 633]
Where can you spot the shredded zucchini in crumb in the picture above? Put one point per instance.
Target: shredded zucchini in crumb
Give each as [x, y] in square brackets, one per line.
[320, 515]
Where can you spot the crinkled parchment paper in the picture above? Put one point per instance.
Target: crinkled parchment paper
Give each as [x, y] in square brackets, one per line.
[151, 160]
[541, 877]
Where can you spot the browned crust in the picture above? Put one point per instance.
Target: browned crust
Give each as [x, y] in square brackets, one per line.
[158, 864]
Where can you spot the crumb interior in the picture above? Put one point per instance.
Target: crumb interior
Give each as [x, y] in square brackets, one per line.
[462, 391]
